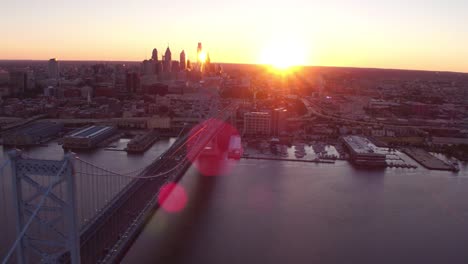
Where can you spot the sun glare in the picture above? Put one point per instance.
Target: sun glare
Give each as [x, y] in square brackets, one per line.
[282, 55]
[202, 57]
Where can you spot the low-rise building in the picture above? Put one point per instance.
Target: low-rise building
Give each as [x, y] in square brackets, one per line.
[257, 123]
[159, 122]
[88, 137]
[32, 134]
[362, 152]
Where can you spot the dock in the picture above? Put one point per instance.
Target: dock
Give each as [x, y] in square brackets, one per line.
[295, 160]
[107, 141]
[427, 160]
[142, 142]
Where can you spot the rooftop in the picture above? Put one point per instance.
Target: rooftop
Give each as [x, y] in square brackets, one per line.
[258, 113]
[34, 128]
[90, 131]
[360, 145]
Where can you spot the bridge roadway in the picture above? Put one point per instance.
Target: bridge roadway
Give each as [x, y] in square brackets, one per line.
[113, 230]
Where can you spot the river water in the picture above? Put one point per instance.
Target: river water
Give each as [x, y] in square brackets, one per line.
[294, 212]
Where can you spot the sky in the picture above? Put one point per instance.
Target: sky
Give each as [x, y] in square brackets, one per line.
[416, 34]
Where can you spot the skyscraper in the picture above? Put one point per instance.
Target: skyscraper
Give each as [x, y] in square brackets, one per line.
[167, 60]
[199, 50]
[148, 67]
[207, 67]
[278, 121]
[132, 82]
[175, 67]
[21, 80]
[182, 60]
[53, 69]
[155, 55]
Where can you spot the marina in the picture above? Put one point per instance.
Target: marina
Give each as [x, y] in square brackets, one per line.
[314, 152]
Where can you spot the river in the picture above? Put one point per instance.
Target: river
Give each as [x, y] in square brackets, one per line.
[294, 212]
[288, 212]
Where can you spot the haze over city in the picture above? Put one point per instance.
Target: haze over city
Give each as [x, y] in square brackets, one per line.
[425, 35]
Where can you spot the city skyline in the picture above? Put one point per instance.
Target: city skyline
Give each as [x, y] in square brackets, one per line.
[372, 34]
[246, 131]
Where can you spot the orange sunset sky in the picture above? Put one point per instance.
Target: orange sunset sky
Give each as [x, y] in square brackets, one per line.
[428, 35]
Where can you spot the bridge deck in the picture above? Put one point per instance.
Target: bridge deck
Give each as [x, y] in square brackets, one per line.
[114, 230]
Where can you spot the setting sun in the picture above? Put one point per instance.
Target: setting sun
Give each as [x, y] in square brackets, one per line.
[283, 55]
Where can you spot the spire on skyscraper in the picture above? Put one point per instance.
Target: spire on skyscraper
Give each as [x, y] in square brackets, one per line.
[167, 60]
[167, 55]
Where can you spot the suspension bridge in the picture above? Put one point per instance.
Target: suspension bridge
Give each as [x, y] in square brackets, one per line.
[74, 211]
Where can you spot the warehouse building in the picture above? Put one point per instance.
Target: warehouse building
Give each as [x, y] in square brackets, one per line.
[88, 137]
[363, 152]
[32, 134]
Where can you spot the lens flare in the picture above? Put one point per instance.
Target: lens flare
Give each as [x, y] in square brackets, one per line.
[172, 197]
[213, 160]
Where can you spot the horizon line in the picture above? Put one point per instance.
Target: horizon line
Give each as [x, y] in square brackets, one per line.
[251, 64]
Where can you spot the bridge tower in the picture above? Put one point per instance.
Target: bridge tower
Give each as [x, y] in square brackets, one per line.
[45, 210]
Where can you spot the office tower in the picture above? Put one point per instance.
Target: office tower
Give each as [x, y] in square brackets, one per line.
[132, 82]
[148, 67]
[189, 65]
[21, 80]
[207, 65]
[155, 55]
[182, 64]
[278, 121]
[175, 67]
[167, 60]
[199, 50]
[157, 67]
[53, 66]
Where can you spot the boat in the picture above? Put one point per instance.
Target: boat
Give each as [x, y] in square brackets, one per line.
[299, 154]
[455, 166]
